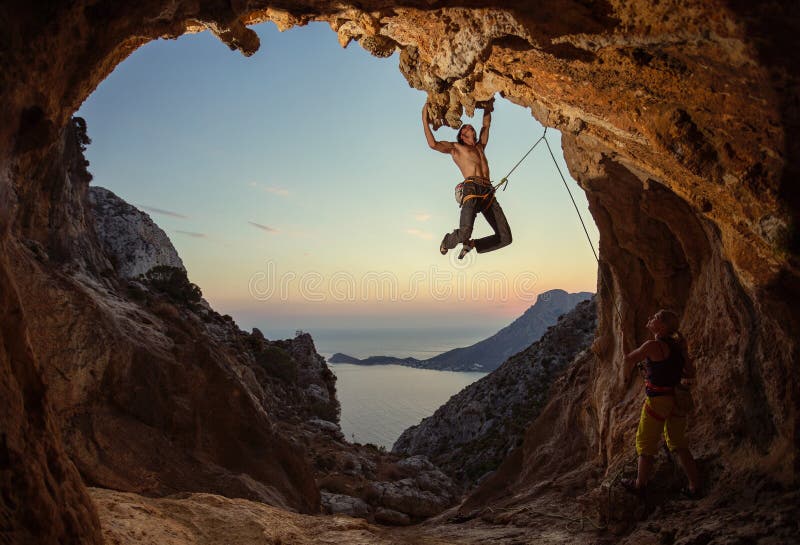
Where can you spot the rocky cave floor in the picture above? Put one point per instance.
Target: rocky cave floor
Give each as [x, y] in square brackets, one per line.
[753, 513]
[210, 519]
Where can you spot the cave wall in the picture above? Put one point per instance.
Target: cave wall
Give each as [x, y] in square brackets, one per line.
[144, 396]
[43, 497]
[747, 410]
[680, 122]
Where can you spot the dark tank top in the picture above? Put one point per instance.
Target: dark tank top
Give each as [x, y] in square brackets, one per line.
[664, 375]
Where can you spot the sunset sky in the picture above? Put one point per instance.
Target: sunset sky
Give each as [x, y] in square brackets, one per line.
[298, 188]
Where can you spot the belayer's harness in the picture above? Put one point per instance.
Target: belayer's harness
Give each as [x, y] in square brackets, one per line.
[664, 375]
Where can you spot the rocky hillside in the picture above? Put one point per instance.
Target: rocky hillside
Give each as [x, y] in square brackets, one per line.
[156, 393]
[152, 390]
[488, 354]
[477, 428]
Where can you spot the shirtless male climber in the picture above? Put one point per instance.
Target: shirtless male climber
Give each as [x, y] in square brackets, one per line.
[477, 193]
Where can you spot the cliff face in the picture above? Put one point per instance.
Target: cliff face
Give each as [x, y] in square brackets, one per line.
[131, 240]
[679, 120]
[490, 353]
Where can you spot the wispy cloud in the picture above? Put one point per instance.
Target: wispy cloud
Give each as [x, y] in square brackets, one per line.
[422, 216]
[420, 234]
[283, 192]
[162, 211]
[192, 234]
[266, 228]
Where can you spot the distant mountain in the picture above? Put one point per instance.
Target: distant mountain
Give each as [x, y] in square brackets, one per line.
[477, 428]
[374, 360]
[488, 354]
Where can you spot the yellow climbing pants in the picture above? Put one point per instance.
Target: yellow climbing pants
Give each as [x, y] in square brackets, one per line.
[659, 413]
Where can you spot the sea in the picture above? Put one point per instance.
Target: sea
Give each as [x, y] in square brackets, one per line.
[379, 402]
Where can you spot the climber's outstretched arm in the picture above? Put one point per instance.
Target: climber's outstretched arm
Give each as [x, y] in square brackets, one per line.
[487, 121]
[444, 147]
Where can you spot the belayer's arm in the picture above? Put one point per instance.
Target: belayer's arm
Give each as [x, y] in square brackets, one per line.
[444, 147]
[641, 353]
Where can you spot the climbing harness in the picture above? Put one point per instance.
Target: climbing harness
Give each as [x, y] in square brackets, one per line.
[480, 181]
[504, 182]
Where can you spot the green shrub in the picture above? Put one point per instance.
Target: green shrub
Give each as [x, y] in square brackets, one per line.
[326, 411]
[82, 136]
[325, 463]
[278, 363]
[174, 283]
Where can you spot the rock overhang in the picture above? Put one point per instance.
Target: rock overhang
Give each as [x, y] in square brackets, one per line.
[676, 92]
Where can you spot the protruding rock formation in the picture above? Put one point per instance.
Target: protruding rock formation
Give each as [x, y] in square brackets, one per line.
[206, 519]
[679, 120]
[131, 240]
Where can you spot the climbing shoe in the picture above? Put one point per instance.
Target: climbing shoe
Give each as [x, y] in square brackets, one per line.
[443, 247]
[465, 249]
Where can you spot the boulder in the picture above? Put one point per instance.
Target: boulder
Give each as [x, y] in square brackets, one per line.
[340, 504]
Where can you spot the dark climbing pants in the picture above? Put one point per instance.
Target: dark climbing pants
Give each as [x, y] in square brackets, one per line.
[493, 214]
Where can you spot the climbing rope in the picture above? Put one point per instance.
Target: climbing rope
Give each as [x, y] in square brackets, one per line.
[569, 192]
[504, 182]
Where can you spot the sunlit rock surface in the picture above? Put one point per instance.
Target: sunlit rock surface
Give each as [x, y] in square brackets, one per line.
[679, 120]
[206, 519]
